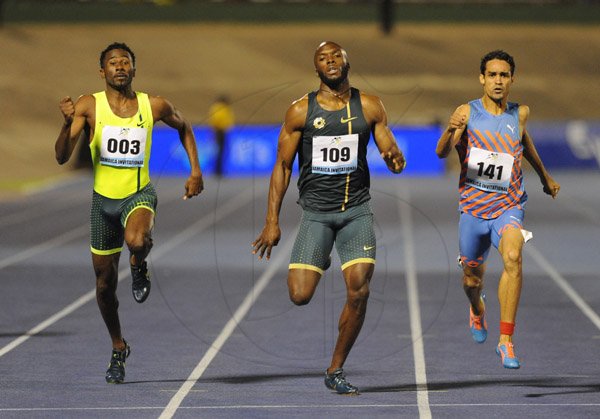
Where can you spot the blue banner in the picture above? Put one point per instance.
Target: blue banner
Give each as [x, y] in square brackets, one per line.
[252, 150]
[567, 145]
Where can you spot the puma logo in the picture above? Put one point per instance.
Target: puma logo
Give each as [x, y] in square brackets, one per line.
[512, 129]
[346, 120]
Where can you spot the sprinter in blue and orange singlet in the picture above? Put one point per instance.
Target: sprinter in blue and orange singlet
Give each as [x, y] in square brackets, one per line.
[118, 122]
[491, 139]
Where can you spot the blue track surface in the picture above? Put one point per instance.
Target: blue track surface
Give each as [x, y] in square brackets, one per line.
[218, 337]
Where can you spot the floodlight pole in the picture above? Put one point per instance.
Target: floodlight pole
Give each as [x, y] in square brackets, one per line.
[387, 16]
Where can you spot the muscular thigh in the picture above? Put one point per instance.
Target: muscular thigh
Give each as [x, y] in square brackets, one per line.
[511, 219]
[474, 240]
[355, 241]
[144, 199]
[313, 243]
[107, 232]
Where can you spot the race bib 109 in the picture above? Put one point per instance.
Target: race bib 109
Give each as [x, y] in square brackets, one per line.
[123, 147]
[335, 154]
[489, 171]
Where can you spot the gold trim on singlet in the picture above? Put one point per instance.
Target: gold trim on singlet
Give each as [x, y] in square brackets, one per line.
[347, 189]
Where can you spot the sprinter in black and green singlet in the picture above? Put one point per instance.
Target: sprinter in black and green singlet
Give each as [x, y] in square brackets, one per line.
[329, 130]
[119, 124]
[333, 156]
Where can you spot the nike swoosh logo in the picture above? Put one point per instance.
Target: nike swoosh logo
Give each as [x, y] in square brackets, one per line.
[365, 247]
[344, 120]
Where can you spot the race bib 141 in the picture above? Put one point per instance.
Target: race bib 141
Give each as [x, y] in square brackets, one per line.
[489, 170]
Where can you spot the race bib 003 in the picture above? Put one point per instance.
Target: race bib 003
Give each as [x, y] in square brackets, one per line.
[489, 170]
[335, 154]
[123, 147]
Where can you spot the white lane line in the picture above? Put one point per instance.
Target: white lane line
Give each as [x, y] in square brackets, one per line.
[240, 313]
[41, 210]
[205, 222]
[45, 246]
[295, 406]
[48, 322]
[235, 203]
[583, 208]
[413, 303]
[563, 284]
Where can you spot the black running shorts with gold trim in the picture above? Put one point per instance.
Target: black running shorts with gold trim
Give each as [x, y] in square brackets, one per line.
[108, 218]
[350, 230]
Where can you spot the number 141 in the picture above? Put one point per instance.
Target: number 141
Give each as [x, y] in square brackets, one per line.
[490, 171]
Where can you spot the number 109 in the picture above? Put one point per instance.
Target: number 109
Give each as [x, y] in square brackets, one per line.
[336, 154]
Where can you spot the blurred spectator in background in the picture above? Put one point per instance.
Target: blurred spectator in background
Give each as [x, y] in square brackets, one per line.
[220, 119]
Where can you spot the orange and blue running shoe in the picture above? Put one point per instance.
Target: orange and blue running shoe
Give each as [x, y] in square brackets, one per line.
[507, 353]
[477, 324]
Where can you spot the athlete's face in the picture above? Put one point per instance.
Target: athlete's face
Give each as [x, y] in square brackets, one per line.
[496, 80]
[118, 70]
[331, 64]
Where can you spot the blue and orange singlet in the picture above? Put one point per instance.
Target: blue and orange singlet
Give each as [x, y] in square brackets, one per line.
[491, 178]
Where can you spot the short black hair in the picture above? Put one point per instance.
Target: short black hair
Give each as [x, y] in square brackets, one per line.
[498, 55]
[116, 45]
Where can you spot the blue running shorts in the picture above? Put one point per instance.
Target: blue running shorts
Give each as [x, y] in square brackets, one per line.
[476, 235]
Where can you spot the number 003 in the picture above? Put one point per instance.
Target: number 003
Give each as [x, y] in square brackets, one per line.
[123, 146]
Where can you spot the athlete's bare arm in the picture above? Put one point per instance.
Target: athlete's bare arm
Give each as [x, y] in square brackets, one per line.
[287, 145]
[163, 110]
[551, 187]
[452, 134]
[76, 116]
[376, 116]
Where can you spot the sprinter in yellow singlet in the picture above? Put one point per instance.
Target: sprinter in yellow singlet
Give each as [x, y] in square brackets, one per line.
[119, 124]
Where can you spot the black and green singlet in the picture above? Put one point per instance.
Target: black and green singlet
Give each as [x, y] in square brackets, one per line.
[332, 157]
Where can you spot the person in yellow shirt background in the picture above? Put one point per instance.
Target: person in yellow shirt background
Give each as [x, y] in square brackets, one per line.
[220, 119]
